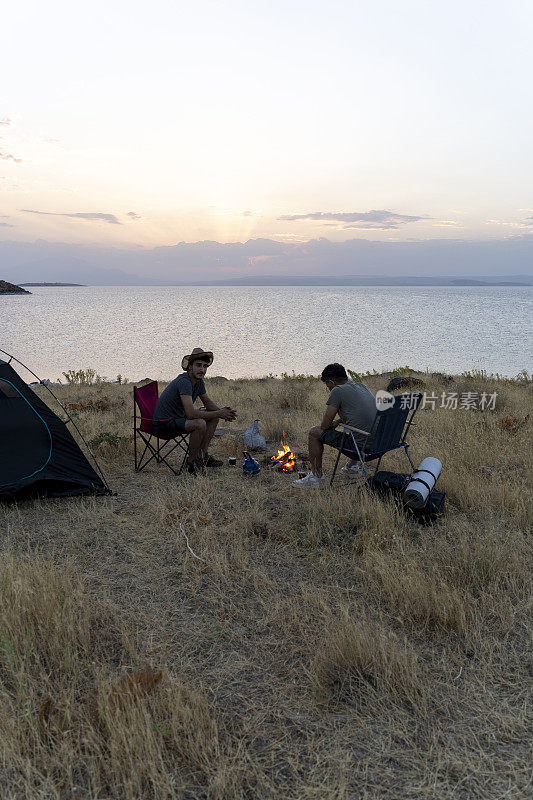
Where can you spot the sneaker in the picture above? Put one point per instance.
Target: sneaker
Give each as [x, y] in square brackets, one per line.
[311, 481]
[209, 461]
[352, 469]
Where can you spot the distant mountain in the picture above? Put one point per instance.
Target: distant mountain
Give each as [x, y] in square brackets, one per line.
[63, 269]
[356, 262]
[366, 280]
[56, 283]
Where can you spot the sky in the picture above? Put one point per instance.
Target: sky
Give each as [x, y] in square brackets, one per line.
[138, 125]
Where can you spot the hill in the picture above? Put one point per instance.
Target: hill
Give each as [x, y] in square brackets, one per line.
[258, 261]
[55, 283]
[11, 288]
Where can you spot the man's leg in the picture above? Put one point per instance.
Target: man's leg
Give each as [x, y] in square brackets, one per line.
[208, 435]
[316, 449]
[315, 479]
[197, 429]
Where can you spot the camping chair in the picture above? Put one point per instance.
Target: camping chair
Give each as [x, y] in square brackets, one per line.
[389, 431]
[145, 398]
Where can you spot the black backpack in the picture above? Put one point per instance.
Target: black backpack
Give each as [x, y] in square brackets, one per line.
[393, 483]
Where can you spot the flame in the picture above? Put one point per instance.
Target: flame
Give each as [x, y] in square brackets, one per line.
[284, 457]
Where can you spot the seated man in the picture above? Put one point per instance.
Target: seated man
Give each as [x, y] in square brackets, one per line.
[356, 405]
[176, 412]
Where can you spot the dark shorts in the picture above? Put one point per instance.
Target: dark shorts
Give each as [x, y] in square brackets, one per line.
[334, 439]
[168, 428]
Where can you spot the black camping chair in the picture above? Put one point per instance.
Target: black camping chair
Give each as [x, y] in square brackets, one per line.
[389, 432]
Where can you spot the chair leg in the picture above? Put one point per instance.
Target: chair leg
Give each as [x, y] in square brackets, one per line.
[338, 458]
[361, 461]
[139, 463]
[184, 459]
[135, 433]
[158, 452]
[409, 457]
[162, 459]
[364, 470]
[164, 454]
[147, 446]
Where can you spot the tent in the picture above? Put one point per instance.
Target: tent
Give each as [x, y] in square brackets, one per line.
[38, 455]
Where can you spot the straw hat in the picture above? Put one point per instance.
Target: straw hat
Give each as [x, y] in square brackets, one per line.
[198, 354]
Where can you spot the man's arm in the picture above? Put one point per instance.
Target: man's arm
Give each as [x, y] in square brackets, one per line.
[215, 413]
[208, 403]
[327, 419]
[211, 406]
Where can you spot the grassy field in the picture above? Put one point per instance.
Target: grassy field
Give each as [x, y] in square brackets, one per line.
[314, 644]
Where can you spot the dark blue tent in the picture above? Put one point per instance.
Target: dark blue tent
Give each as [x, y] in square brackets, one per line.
[38, 455]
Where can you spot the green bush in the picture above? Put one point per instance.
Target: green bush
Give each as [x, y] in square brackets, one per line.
[82, 376]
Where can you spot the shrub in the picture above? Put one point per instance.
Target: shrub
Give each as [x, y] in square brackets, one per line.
[85, 377]
[300, 377]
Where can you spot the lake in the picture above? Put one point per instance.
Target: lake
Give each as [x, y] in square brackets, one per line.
[140, 332]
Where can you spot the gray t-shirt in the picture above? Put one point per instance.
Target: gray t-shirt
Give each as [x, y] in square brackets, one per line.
[169, 403]
[356, 405]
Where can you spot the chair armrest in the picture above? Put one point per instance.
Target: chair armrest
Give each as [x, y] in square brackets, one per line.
[357, 430]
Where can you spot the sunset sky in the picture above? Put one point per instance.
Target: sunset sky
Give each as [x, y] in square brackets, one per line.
[136, 123]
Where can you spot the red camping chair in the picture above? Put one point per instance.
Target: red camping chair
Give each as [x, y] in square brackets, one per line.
[145, 397]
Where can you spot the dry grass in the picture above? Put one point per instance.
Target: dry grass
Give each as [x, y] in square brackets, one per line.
[325, 646]
[363, 663]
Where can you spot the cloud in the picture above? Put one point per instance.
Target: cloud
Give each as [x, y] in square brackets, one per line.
[6, 225]
[509, 223]
[9, 157]
[5, 121]
[289, 237]
[133, 215]
[377, 219]
[97, 216]
[53, 142]
[248, 213]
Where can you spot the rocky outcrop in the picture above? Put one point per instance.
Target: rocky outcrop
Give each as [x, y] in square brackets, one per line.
[11, 288]
[405, 382]
[441, 377]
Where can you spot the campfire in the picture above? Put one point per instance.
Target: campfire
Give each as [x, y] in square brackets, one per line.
[284, 459]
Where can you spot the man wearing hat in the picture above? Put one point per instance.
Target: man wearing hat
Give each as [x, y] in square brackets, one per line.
[176, 412]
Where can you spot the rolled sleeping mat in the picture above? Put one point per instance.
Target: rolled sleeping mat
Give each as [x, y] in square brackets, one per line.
[422, 482]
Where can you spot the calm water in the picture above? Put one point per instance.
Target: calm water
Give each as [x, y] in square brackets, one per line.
[143, 331]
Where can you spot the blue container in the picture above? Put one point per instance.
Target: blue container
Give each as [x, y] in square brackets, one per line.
[250, 466]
